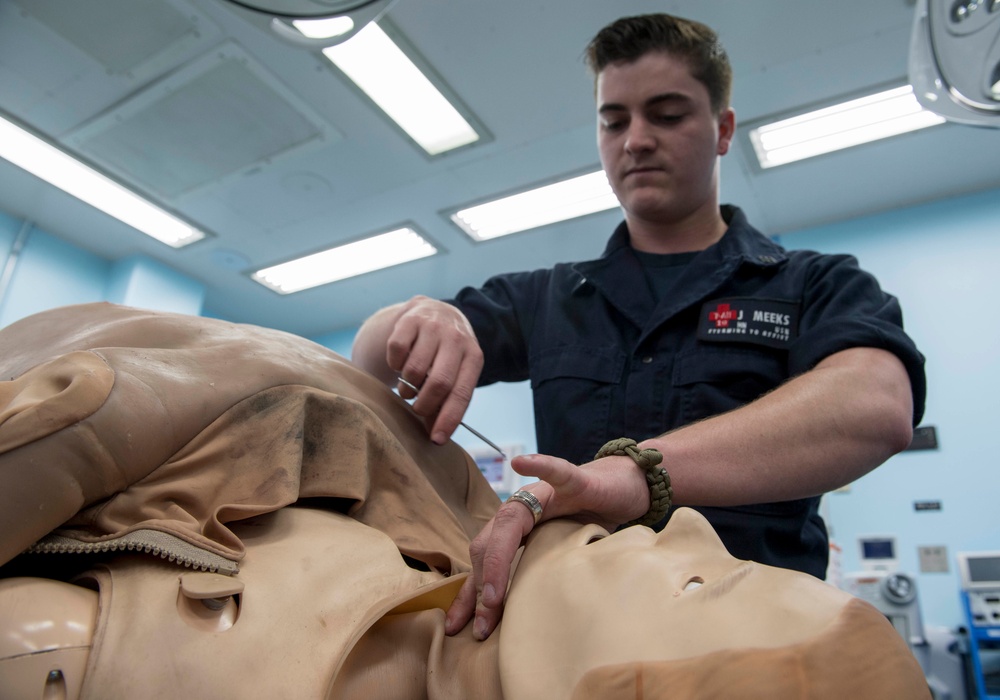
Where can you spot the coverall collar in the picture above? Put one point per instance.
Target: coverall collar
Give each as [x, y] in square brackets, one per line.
[619, 277]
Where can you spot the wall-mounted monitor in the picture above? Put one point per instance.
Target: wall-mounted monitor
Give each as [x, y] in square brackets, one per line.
[979, 570]
[878, 552]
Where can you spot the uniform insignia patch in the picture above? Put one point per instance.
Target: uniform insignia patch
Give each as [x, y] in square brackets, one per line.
[771, 322]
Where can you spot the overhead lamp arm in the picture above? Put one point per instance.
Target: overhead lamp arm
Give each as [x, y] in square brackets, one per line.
[280, 13]
[306, 9]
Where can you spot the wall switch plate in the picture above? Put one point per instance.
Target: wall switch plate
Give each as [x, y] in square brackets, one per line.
[933, 559]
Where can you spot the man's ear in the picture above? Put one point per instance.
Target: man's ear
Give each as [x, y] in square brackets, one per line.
[727, 129]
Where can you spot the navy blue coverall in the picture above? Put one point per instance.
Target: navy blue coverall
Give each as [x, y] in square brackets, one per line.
[606, 360]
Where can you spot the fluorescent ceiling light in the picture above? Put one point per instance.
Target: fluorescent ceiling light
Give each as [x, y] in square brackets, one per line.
[58, 168]
[396, 85]
[375, 253]
[848, 124]
[560, 201]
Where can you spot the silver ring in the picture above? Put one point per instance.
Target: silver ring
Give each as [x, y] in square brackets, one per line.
[529, 499]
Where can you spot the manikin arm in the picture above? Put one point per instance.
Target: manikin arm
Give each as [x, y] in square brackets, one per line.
[817, 432]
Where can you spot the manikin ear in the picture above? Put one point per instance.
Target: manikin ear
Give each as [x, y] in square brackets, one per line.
[727, 129]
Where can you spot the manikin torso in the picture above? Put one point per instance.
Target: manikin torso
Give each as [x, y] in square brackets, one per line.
[312, 585]
[327, 608]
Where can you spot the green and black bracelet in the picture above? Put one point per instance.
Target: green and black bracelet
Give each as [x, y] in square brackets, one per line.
[660, 493]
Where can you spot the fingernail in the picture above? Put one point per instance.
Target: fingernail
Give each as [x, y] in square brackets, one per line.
[489, 593]
[439, 438]
[480, 628]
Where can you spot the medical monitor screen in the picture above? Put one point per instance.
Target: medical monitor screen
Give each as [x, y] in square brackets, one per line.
[984, 569]
[878, 549]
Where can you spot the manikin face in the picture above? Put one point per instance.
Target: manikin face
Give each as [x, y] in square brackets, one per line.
[658, 138]
[581, 599]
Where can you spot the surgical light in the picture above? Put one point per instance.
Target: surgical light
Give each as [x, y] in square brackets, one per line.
[42, 159]
[954, 62]
[568, 199]
[851, 123]
[323, 28]
[348, 260]
[393, 82]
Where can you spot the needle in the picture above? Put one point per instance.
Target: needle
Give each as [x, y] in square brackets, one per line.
[465, 425]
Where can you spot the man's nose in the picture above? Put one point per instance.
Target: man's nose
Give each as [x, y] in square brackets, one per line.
[640, 137]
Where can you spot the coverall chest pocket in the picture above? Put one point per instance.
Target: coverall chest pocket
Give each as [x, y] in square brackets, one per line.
[712, 381]
[573, 388]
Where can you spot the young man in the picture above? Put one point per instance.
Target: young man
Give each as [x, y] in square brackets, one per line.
[764, 377]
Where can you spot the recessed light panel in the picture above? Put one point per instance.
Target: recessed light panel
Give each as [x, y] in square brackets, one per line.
[549, 204]
[60, 169]
[393, 82]
[839, 126]
[349, 260]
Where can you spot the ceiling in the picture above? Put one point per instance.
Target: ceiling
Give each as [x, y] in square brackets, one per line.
[142, 86]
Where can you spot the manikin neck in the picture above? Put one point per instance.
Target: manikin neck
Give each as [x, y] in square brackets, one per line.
[433, 664]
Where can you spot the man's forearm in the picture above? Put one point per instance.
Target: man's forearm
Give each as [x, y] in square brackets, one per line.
[813, 434]
[369, 349]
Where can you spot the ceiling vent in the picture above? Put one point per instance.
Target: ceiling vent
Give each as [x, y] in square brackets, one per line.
[217, 116]
[158, 32]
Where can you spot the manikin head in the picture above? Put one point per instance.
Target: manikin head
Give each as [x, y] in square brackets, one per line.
[588, 610]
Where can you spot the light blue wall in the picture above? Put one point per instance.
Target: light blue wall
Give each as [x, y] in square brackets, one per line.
[48, 272]
[940, 259]
[147, 284]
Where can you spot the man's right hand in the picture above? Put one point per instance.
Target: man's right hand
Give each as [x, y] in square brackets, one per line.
[431, 345]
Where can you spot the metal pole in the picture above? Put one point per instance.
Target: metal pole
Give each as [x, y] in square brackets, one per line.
[12, 256]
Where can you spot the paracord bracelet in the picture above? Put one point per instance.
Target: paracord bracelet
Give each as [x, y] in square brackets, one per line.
[660, 493]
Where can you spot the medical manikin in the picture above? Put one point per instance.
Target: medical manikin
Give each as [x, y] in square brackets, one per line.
[218, 510]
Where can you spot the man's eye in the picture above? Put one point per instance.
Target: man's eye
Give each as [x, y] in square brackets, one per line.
[670, 118]
[613, 126]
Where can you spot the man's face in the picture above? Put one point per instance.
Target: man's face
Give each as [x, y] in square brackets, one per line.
[659, 139]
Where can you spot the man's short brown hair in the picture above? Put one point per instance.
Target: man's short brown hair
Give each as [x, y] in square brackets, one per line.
[629, 38]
